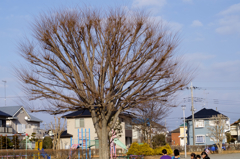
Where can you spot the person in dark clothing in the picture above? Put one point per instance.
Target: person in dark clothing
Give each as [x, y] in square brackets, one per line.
[204, 155]
[176, 154]
[193, 156]
[198, 157]
[165, 156]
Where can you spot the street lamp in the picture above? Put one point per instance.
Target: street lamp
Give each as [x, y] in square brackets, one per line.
[183, 108]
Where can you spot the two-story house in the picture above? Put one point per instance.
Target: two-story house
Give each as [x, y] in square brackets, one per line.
[82, 119]
[19, 121]
[4, 130]
[235, 130]
[202, 122]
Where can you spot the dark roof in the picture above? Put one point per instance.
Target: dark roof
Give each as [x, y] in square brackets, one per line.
[176, 130]
[66, 135]
[205, 113]
[2, 114]
[79, 113]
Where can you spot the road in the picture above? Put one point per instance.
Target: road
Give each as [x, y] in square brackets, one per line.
[220, 156]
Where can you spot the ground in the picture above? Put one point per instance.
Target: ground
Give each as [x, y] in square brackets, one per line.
[233, 155]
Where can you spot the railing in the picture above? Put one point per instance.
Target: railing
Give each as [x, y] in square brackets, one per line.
[6, 130]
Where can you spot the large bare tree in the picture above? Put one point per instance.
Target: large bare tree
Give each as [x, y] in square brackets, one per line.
[217, 127]
[104, 61]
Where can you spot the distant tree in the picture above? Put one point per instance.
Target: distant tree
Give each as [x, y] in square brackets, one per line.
[158, 140]
[15, 142]
[6, 142]
[57, 128]
[104, 61]
[148, 115]
[47, 142]
[228, 135]
[217, 130]
[33, 137]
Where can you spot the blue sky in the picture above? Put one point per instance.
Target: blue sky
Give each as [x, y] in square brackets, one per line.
[209, 29]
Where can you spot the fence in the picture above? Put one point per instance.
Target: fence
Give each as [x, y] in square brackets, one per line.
[200, 148]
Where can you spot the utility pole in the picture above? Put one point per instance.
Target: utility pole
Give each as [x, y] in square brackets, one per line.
[193, 122]
[184, 131]
[5, 92]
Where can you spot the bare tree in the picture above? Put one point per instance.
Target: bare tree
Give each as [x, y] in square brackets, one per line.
[57, 127]
[148, 117]
[104, 61]
[217, 127]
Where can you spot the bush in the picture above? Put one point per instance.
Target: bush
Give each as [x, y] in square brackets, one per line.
[158, 151]
[158, 140]
[47, 142]
[144, 149]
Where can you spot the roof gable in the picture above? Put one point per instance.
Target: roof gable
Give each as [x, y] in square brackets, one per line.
[176, 130]
[13, 110]
[205, 113]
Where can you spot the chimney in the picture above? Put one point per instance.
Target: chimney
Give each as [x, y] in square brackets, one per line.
[216, 109]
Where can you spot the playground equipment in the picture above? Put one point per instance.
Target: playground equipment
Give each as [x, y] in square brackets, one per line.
[113, 142]
[83, 142]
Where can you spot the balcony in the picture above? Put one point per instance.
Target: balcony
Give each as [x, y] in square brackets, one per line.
[6, 130]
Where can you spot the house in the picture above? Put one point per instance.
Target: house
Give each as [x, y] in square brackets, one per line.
[175, 140]
[4, 130]
[181, 136]
[82, 119]
[202, 122]
[235, 130]
[19, 121]
[138, 134]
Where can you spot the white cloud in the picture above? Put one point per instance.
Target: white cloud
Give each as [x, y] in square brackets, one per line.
[232, 9]
[229, 25]
[173, 26]
[144, 3]
[196, 23]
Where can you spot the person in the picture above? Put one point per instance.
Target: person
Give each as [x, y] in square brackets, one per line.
[193, 156]
[165, 156]
[198, 157]
[204, 155]
[176, 154]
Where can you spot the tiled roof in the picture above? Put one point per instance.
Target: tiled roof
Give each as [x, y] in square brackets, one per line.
[79, 113]
[176, 130]
[11, 110]
[236, 122]
[183, 124]
[205, 113]
[2, 114]
[66, 135]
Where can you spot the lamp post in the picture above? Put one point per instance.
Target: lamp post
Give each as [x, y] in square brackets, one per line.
[183, 108]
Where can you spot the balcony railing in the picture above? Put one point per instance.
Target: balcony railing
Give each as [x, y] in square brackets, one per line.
[6, 130]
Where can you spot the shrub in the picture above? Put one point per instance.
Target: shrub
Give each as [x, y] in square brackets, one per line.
[47, 142]
[158, 151]
[144, 149]
[158, 140]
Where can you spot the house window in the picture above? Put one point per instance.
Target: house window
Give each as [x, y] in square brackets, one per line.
[199, 123]
[211, 122]
[0, 123]
[79, 123]
[200, 138]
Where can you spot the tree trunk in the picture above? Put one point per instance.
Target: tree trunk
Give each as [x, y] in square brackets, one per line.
[104, 149]
[220, 147]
